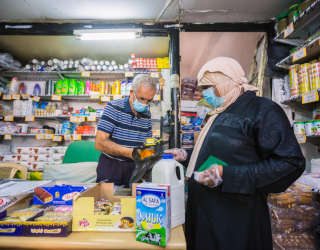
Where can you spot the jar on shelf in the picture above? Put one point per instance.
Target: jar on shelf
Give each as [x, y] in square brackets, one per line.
[293, 13]
[282, 22]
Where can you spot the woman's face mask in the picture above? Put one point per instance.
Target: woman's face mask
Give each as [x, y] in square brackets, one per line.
[138, 106]
[211, 98]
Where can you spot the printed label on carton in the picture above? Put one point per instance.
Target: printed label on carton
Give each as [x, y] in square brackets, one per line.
[153, 214]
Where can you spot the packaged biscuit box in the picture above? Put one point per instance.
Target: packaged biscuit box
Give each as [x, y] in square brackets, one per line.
[56, 195]
[153, 216]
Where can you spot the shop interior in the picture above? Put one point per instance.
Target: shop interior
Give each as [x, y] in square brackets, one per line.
[55, 85]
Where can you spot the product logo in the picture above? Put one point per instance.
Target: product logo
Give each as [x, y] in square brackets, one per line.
[84, 223]
[151, 201]
[70, 196]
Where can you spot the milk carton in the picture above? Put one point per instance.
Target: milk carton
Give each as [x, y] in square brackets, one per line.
[153, 213]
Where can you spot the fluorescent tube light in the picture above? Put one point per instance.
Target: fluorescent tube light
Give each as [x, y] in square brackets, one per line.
[107, 34]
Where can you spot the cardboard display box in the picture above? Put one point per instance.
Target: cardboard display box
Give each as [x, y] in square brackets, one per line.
[85, 218]
[32, 228]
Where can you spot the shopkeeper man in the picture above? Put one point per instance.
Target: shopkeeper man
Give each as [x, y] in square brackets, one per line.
[124, 125]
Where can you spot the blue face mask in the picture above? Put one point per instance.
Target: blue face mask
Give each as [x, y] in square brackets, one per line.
[211, 98]
[138, 106]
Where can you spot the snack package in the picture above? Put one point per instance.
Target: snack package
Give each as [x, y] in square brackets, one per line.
[293, 218]
[56, 195]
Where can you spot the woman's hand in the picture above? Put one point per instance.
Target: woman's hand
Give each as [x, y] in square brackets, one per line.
[179, 154]
[211, 177]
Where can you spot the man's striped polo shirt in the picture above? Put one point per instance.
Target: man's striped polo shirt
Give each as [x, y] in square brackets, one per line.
[124, 127]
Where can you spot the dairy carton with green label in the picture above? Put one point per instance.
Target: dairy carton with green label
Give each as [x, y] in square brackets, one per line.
[153, 213]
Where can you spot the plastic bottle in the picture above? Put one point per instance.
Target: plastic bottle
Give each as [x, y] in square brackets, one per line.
[102, 86]
[72, 90]
[81, 87]
[123, 88]
[57, 87]
[65, 86]
[169, 171]
[116, 88]
[88, 87]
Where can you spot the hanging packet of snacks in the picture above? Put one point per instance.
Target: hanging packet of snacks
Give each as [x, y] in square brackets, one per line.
[294, 80]
[304, 80]
[315, 75]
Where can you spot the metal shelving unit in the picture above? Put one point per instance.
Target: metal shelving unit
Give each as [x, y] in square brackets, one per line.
[306, 24]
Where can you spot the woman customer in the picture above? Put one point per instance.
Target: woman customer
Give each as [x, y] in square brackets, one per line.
[227, 205]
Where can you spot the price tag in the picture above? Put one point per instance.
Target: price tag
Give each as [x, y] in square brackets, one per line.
[94, 95]
[67, 137]
[56, 97]
[288, 30]
[117, 97]
[6, 97]
[8, 118]
[7, 137]
[301, 138]
[40, 136]
[76, 137]
[91, 118]
[36, 98]
[129, 74]
[105, 99]
[301, 53]
[56, 138]
[15, 97]
[29, 118]
[155, 74]
[85, 74]
[309, 97]
[25, 96]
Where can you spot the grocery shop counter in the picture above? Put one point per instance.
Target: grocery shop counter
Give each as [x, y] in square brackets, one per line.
[91, 240]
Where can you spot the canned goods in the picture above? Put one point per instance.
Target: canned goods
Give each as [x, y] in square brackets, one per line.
[316, 125]
[309, 128]
[298, 128]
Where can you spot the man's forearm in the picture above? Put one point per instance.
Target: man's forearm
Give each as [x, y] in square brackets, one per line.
[112, 148]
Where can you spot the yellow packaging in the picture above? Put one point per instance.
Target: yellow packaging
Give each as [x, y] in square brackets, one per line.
[116, 88]
[86, 219]
[304, 80]
[102, 86]
[315, 75]
[294, 80]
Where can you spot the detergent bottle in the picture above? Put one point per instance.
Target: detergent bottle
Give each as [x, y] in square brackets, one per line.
[169, 171]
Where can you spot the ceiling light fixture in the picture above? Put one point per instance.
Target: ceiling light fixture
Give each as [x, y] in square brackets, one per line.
[107, 34]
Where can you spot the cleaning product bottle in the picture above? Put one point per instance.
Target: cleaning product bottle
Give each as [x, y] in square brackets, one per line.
[65, 86]
[81, 87]
[36, 90]
[58, 87]
[116, 88]
[102, 86]
[88, 87]
[72, 90]
[169, 171]
[123, 88]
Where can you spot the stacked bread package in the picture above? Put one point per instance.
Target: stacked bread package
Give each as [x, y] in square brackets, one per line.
[293, 217]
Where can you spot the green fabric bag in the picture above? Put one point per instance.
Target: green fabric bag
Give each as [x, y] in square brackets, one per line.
[209, 162]
[81, 151]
